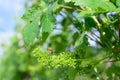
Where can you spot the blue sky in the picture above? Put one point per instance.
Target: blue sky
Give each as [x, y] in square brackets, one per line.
[9, 9]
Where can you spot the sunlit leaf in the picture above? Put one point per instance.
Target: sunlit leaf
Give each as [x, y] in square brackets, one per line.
[118, 3]
[47, 21]
[30, 32]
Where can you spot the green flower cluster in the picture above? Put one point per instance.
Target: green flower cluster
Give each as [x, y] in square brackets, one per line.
[45, 58]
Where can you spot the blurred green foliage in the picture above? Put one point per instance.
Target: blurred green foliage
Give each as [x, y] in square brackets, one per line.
[65, 40]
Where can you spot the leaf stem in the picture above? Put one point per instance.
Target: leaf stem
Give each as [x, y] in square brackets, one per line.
[119, 26]
[69, 7]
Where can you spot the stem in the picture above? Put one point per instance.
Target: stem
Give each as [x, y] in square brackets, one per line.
[98, 42]
[69, 7]
[102, 60]
[119, 26]
[111, 61]
[95, 19]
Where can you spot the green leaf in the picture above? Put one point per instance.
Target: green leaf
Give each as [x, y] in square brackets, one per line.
[118, 3]
[108, 6]
[67, 0]
[44, 37]
[49, 1]
[47, 21]
[117, 10]
[86, 13]
[93, 8]
[32, 14]
[81, 40]
[88, 3]
[30, 32]
[88, 25]
[96, 4]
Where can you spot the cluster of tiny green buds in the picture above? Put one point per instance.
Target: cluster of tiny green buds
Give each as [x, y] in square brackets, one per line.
[54, 61]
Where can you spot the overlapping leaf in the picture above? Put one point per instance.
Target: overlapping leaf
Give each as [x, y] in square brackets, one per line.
[91, 7]
[47, 21]
[95, 4]
[31, 30]
[86, 13]
[118, 3]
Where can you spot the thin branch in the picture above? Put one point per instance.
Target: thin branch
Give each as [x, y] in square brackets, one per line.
[95, 35]
[95, 40]
[91, 38]
[102, 60]
[111, 61]
[119, 26]
[68, 7]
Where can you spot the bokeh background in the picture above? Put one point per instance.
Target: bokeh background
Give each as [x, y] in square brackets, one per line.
[10, 13]
[77, 48]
